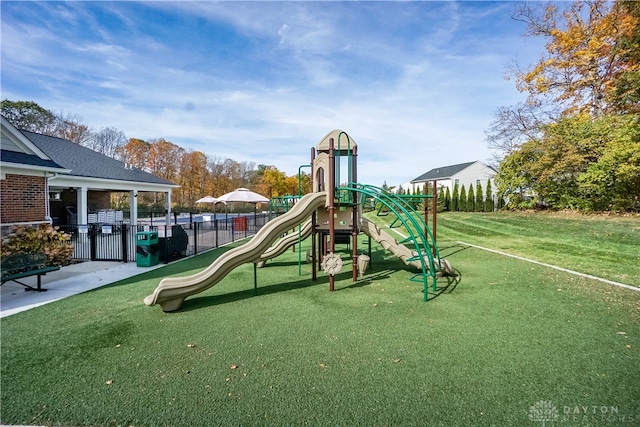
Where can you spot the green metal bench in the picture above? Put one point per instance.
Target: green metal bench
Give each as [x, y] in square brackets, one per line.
[19, 266]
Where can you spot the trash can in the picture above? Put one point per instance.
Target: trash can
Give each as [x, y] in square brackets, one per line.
[147, 248]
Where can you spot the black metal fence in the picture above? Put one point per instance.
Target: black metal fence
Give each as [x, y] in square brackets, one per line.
[189, 235]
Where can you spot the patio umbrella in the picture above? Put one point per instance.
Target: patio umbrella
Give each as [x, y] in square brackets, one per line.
[243, 195]
[207, 199]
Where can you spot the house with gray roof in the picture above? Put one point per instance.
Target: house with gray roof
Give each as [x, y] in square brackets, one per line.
[469, 173]
[70, 175]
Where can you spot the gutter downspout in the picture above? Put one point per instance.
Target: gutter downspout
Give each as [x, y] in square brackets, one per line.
[47, 208]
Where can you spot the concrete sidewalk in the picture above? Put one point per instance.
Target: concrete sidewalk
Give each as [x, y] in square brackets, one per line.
[70, 280]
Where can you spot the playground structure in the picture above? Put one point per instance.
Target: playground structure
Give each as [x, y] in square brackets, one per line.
[330, 214]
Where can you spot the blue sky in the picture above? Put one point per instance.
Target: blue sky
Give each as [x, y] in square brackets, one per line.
[414, 83]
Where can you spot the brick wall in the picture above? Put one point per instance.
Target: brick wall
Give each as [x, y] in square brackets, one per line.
[22, 198]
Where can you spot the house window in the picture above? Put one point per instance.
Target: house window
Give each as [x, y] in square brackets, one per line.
[477, 181]
[457, 182]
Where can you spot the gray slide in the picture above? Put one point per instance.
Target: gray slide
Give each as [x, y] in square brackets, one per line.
[388, 242]
[286, 242]
[172, 291]
[404, 253]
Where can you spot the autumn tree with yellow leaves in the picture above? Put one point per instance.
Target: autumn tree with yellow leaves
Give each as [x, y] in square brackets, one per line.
[574, 143]
[586, 55]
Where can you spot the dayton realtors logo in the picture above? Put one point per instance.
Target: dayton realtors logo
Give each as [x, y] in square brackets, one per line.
[545, 412]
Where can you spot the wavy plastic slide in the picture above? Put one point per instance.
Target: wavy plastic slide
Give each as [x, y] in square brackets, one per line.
[172, 291]
[388, 242]
[285, 243]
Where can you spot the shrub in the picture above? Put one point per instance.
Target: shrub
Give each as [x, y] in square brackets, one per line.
[479, 198]
[43, 238]
[488, 201]
[447, 199]
[471, 199]
[463, 199]
[455, 199]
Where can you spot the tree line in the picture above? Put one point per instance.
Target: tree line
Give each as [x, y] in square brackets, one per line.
[575, 142]
[471, 198]
[197, 173]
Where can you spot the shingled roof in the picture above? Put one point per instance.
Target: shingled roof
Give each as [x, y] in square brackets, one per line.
[445, 172]
[8, 156]
[88, 163]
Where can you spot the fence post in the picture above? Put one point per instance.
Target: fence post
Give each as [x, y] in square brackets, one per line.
[125, 242]
[215, 227]
[93, 247]
[166, 245]
[195, 238]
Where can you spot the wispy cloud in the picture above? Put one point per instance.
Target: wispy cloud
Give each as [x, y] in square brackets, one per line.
[414, 83]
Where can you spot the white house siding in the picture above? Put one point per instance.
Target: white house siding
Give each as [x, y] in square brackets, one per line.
[8, 144]
[471, 175]
[408, 186]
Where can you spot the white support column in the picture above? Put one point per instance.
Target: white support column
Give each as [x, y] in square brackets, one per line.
[168, 208]
[133, 207]
[81, 198]
[47, 202]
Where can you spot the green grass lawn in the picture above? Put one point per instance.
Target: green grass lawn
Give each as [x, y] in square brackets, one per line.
[603, 246]
[509, 335]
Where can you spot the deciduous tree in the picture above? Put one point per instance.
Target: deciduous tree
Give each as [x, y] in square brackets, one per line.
[134, 153]
[72, 128]
[513, 126]
[580, 162]
[582, 60]
[274, 182]
[587, 84]
[107, 141]
[626, 96]
[613, 181]
[164, 159]
[28, 115]
[192, 178]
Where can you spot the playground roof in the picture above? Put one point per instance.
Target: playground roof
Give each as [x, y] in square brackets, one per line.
[340, 139]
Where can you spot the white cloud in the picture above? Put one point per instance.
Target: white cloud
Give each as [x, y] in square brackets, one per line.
[415, 84]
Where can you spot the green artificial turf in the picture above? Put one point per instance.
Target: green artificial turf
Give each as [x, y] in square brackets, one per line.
[509, 335]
